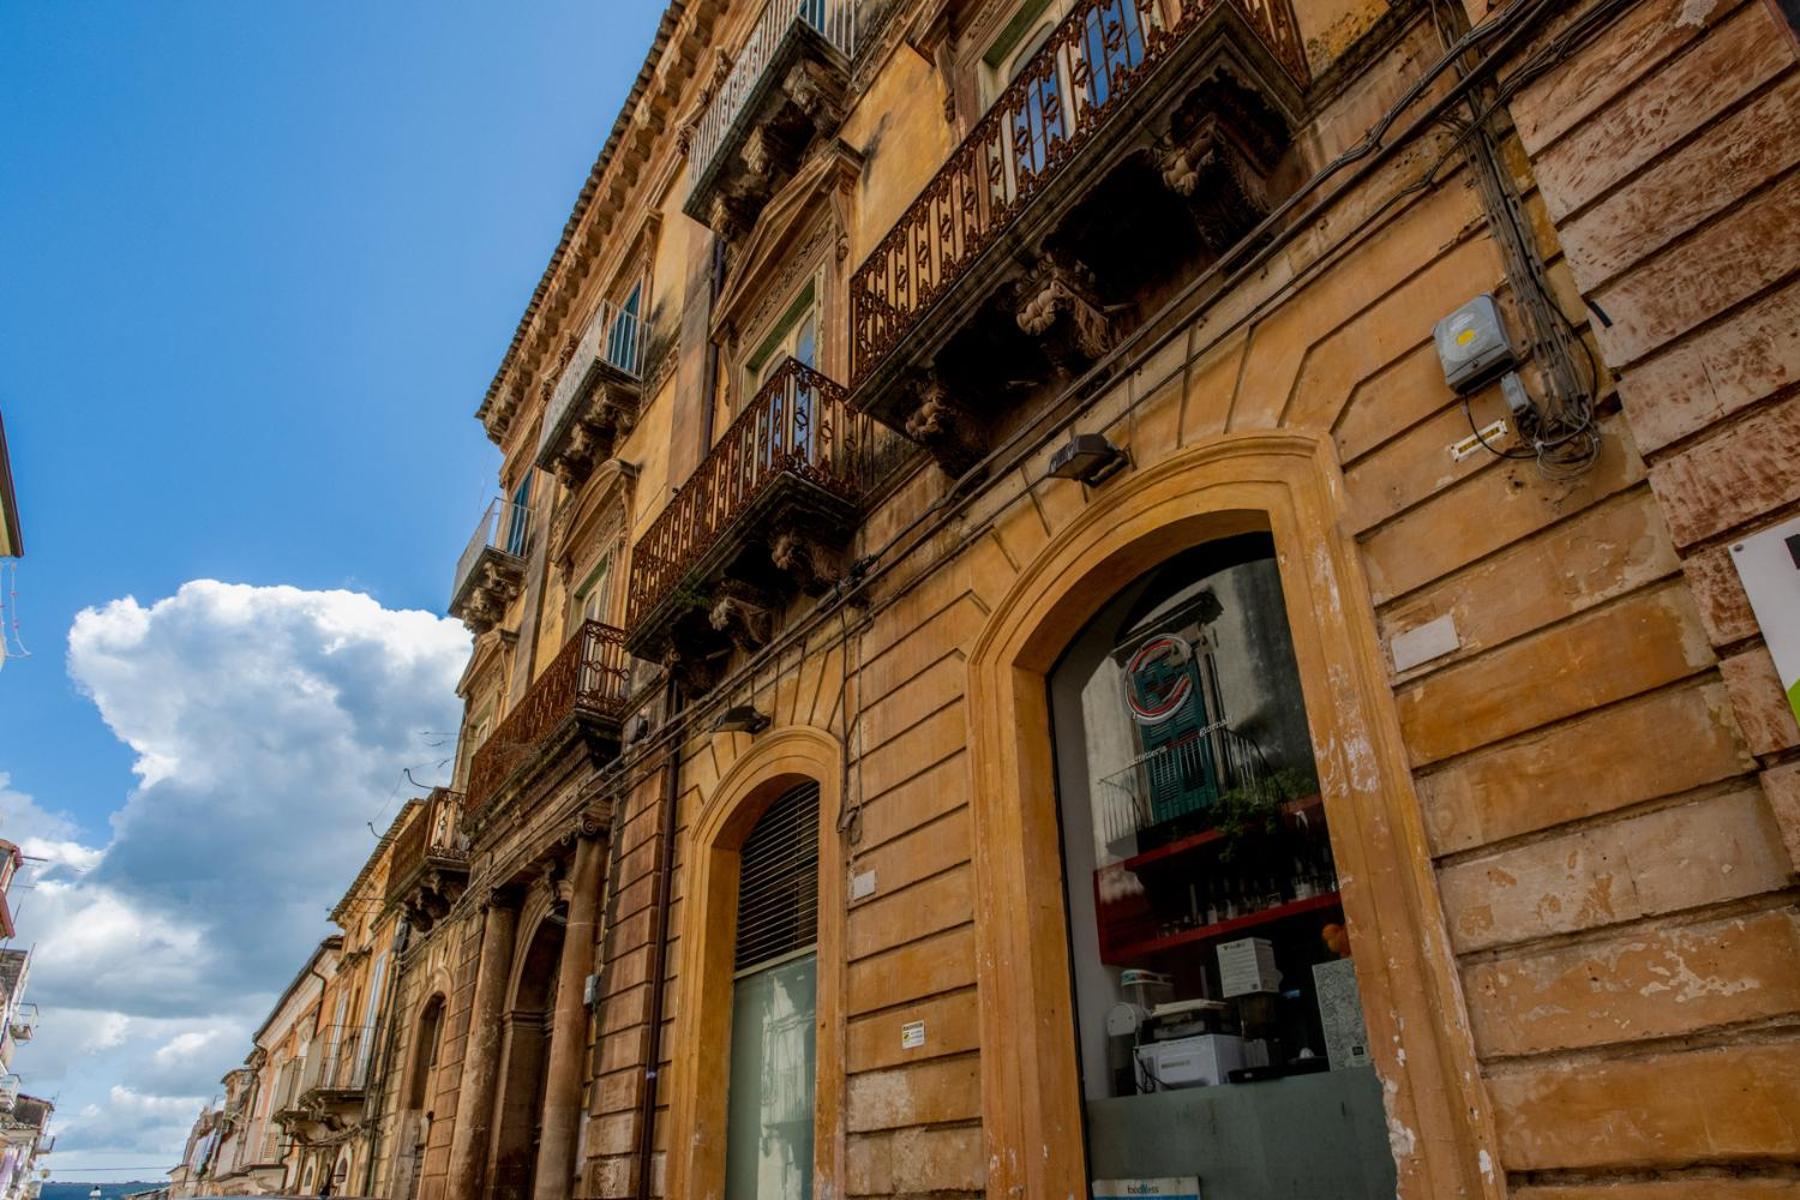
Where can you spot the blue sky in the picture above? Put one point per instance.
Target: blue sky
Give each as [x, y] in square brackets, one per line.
[258, 263]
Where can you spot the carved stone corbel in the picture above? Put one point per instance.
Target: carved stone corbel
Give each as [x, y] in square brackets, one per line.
[1056, 302]
[748, 624]
[480, 613]
[814, 566]
[817, 94]
[944, 428]
[693, 672]
[733, 214]
[1224, 190]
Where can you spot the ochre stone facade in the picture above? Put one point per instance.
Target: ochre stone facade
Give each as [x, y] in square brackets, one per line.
[1564, 840]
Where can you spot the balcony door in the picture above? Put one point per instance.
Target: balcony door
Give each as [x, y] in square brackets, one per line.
[1079, 76]
[795, 336]
[623, 343]
[591, 602]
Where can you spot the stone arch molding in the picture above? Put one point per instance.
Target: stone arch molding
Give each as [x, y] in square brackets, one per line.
[776, 761]
[1287, 485]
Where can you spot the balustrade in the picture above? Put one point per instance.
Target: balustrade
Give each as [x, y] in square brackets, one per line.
[1096, 59]
[799, 429]
[590, 676]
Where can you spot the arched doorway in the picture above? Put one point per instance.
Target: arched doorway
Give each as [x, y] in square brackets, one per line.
[523, 1059]
[1281, 486]
[765, 947]
[421, 1087]
[1219, 1033]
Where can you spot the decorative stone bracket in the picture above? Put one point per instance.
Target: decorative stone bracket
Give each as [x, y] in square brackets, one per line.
[1056, 303]
[814, 565]
[1218, 154]
[945, 428]
[498, 581]
[742, 616]
[607, 414]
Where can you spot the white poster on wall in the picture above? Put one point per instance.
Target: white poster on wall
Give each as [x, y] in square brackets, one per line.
[1769, 564]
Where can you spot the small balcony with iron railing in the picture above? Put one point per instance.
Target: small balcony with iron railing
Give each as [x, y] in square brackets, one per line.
[1140, 142]
[786, 86]
[428, 869]
[337, 1070]
[575, 705]
[769, 510]
[491, 572]
[596, 397]
[23, 1023]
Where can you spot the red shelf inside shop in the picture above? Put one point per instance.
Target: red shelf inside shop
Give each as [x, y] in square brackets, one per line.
[1204, 933]
[1195, 841]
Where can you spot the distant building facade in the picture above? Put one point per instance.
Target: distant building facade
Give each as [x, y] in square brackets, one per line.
[1092, 595]
[24, 1119]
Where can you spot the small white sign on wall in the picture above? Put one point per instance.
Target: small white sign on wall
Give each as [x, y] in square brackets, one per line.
[912, 1035]
[1769, 564]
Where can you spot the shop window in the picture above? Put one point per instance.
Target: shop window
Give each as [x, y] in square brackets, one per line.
[769, 1101]
[1219, 1025]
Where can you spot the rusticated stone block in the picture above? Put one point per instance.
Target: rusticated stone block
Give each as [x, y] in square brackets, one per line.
[1781, 785]
[1711, 1187]
[1661, 982]
[1736, 476]
[1704, 852]
[1714, 373]
[1719, 595]
[1760, 702]
[1660, 1110]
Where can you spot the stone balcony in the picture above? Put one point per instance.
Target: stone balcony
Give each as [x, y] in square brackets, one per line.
[491, 572]
[570, 715]
[769, 511]
[784, 87]
[596, 397]
[1141, 143]
[428, 870]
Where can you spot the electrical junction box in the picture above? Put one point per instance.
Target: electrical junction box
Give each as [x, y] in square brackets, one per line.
[1472, 344]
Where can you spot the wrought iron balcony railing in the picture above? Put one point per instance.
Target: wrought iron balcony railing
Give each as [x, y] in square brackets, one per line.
[432, 839]
[596, 396]
[799, 428]
[24, 1022]
[492, 565]
[1095, 60]
[833, 20]
[589, 677]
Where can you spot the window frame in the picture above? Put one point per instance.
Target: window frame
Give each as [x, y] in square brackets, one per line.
[778, 342]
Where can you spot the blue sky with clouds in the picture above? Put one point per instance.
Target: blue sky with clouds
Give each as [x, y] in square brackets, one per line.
[258, 263]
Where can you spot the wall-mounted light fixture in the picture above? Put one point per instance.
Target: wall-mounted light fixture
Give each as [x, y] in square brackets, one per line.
[1088, 457]
[741, 718]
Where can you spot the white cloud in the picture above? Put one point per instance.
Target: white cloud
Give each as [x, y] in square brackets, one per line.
[269, 726]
